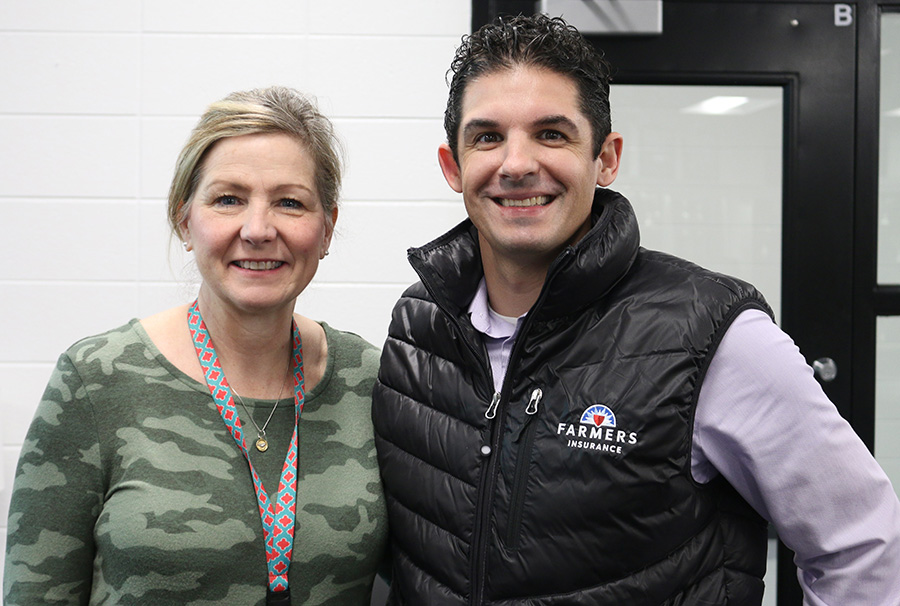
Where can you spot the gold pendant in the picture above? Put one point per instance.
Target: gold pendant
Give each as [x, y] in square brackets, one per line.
[262, 445]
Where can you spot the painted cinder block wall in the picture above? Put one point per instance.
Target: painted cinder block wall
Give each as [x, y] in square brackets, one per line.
[98, 97]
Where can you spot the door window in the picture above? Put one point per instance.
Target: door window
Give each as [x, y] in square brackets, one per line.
[887, 348]
[702, 166]
[887, 397]
[889, 153]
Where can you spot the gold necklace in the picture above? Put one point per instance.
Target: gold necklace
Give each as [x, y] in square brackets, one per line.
[262, 444]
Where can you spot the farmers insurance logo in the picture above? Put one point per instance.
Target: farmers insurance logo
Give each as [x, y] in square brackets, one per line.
[597, 430]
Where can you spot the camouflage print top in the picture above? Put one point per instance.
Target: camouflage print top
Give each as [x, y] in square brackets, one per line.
[129, 489]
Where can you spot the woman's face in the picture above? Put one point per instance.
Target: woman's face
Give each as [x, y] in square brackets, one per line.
[256, 224]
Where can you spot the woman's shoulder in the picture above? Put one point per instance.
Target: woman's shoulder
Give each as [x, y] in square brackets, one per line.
[109, 344]
[93, 360]
[140, 346]
[345, 338]
[351, 367]
[348, 349]
[119, 365]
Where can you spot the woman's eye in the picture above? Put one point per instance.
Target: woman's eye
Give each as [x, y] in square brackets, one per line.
[290, 203]
[227, 200]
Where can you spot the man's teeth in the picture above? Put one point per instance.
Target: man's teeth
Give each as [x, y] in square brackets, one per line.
[534, 201]
[259, 264]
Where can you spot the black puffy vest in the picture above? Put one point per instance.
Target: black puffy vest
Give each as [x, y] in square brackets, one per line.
[579, 489]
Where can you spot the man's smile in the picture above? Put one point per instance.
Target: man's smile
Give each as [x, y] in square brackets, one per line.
[532, 201]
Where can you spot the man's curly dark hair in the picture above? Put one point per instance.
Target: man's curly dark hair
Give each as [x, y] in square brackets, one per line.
[541, 41]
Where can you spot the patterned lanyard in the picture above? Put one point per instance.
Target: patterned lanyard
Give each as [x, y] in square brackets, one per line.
[277, 519]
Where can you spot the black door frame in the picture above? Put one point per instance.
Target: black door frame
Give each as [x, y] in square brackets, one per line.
[845, 226]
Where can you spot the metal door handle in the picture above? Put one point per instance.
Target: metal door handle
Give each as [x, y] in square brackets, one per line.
[825, 369]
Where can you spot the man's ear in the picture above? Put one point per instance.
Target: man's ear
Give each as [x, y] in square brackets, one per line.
[449, 167]
[608, 160]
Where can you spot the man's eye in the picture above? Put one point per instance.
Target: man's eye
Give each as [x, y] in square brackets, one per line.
[552, 135]
[487, 138]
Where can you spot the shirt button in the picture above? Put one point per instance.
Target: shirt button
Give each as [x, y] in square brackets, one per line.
[485, 450]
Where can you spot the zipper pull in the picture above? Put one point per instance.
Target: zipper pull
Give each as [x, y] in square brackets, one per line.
[491, 412]
[530, 410]
[536, 396]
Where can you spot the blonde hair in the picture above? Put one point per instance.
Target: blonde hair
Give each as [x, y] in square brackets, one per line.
[276, 109]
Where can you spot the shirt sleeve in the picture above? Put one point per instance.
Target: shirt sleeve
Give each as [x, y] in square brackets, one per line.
[56, 498]
[764, 423]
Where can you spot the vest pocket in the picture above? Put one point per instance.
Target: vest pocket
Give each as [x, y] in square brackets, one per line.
[520, 482]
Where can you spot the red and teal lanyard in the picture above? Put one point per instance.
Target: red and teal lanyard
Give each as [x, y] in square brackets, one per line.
[277, 518]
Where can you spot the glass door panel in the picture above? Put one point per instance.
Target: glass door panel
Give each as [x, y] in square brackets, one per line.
[887, 342]
[889, 153]
[702, 166]
[887, 397]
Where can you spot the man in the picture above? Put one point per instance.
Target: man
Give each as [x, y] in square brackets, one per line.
[563, 417]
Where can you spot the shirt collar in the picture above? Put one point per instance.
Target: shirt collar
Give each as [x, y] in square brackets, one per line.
[485, 320]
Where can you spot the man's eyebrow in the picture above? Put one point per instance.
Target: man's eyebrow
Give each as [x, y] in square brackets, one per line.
[478, 124]
[557, 120]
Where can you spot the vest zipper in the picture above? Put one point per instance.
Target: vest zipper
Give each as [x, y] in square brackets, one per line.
[483, 519]
[484, 504]
[523, 464]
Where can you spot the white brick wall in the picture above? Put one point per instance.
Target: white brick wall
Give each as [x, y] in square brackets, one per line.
[98, 97]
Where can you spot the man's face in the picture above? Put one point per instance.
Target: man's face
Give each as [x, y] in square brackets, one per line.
[526, 168]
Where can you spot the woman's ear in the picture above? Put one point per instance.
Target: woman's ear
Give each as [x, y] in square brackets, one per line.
[329, 232]
[185, 232]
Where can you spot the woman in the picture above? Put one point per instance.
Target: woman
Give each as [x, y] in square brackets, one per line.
[166, 463]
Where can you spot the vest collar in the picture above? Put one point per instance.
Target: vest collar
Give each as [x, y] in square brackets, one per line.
[450, 266]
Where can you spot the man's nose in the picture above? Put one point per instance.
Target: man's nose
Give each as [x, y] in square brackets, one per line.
[520, 159]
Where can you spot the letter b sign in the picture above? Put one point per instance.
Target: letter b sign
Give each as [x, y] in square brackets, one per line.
[843, 15]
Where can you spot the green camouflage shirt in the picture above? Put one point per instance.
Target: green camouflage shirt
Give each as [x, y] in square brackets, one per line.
[129, 489]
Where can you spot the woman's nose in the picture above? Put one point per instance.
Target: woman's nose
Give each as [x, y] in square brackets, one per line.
[258, 226]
